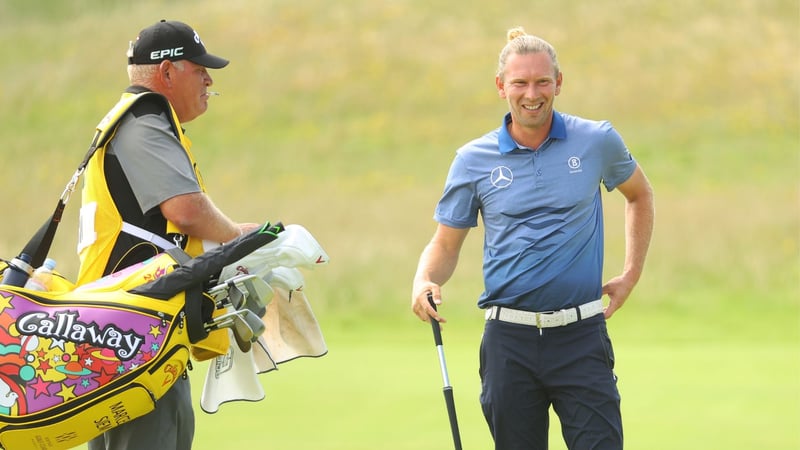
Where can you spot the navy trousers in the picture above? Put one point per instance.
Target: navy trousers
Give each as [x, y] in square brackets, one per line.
[524, 372]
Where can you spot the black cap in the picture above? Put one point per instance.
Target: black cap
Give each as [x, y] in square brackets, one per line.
[173, 41]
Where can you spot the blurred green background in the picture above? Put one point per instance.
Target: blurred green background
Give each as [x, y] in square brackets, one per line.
[344, 116]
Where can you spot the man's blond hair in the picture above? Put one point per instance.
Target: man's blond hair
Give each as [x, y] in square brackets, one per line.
[522, 43]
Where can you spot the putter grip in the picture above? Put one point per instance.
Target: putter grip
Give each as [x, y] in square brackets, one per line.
[437, 331]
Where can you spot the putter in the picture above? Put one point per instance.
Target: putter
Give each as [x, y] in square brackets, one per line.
[448, 390]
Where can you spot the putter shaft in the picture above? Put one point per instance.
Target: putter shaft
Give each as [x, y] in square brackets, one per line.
[447, 389]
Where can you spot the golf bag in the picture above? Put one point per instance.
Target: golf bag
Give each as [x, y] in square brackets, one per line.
[78, 361]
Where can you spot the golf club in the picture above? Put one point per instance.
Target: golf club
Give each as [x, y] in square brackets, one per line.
[229, 293]
[244, 324]
[243, 331]
[448, 390]
[243, 291]
[259, 293]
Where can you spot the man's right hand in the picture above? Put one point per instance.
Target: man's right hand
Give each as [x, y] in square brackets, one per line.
[421, 298]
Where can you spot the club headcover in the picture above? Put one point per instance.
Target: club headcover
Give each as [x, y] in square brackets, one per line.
[294, 247]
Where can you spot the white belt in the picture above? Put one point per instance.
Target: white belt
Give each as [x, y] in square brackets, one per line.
[545, 319]
[143, 234]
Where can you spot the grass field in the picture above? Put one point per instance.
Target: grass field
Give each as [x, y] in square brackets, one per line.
[343, 117]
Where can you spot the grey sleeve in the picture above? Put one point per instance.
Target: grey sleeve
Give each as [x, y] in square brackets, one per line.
[153, 160]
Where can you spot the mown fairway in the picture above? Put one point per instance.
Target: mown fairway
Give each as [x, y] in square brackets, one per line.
[344, 116]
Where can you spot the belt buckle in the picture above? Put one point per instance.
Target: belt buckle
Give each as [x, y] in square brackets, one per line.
[542, 315]
[538, 317]
[557, 318]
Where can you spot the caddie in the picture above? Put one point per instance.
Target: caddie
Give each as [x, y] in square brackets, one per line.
[143, 194]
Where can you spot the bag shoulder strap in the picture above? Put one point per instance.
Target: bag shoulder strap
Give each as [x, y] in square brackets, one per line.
[105, 129]
[39, 245]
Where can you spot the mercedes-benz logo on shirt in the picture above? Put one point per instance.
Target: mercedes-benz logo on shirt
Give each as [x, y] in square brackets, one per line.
[501, 177]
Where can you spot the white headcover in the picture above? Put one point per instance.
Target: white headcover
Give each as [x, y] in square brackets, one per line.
[294, 247]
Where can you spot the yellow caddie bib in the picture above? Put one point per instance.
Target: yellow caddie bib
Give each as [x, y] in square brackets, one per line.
[100, 221]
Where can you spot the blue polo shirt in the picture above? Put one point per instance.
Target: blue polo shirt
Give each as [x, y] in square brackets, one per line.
[541, 210]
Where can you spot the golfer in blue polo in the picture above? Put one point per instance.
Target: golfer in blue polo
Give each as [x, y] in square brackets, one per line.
[535, 182]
